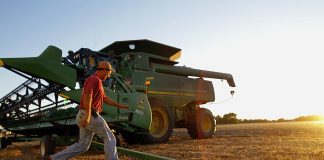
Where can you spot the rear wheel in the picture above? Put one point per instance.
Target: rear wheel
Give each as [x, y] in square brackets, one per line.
[162, 124]
[47, 146]
[203, 124]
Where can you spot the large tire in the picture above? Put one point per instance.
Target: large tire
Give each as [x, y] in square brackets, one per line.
[162, 124]
[203, 124]
[3, 142]
[47, 146]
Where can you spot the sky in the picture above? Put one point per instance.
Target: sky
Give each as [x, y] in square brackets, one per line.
[272, 48]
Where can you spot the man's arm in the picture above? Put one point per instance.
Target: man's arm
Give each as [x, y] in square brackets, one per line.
[87, 106]
[109, 101]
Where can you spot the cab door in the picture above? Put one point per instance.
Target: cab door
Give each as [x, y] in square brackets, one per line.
[139, 112]
[139, 107]
[117, 91]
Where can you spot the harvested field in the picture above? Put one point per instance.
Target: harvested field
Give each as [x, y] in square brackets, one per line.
[288, 140]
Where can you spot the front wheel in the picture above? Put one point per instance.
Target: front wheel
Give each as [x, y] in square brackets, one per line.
[162, 124]
[47, 146]
[202, 125]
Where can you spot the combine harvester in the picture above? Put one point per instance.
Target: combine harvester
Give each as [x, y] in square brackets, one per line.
[160, 95]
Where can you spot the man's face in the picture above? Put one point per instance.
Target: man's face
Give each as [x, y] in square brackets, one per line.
[106, 72]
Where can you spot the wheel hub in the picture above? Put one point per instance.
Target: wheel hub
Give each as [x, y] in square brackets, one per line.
[206, 124]
[160, 123]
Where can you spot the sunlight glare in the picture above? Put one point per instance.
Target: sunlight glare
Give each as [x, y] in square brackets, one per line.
[320, 119]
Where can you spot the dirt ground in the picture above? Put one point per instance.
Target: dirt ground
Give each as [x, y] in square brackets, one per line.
[288, 140]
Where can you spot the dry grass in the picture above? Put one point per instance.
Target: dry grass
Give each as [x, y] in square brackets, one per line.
[291, 140]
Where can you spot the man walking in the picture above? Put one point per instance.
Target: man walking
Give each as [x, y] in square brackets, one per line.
[88, 118]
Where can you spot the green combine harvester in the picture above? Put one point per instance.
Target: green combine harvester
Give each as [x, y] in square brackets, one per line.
[160, 95]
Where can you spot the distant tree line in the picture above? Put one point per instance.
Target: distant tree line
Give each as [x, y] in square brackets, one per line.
[310, 118]
[231, 118]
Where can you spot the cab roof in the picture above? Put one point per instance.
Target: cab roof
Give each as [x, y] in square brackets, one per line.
[143, 45]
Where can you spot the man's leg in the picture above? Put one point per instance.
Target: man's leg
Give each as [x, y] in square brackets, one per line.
[77, 148]
[104, 132]
[84, 143]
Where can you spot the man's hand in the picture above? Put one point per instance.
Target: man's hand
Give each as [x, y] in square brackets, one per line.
[113, 103]
[121, 106]
[85, 122]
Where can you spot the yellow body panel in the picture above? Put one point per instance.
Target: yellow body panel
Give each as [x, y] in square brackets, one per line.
[1, 63]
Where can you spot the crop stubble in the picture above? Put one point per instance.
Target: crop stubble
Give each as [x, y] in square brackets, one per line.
[287, 140]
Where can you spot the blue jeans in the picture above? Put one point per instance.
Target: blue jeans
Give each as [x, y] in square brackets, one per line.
[96, 126]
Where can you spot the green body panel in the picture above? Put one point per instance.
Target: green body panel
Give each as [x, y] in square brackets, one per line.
[38, 125]
[24, 127]
[47, 66]
[176, 91]
[163, 86]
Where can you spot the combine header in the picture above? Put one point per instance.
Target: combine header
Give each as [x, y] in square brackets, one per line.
[160, 95]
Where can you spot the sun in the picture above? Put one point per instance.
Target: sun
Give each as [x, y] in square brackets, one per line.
[321, 117]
